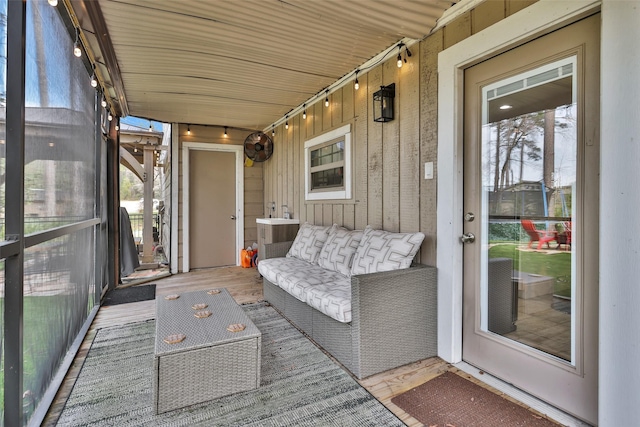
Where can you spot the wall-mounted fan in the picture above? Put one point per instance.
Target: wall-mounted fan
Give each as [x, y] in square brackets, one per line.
[258, 146]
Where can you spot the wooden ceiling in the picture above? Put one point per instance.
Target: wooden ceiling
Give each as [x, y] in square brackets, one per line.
[243, 63]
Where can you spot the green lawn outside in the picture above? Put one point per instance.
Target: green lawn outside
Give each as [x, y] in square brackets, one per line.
[46, 318]
[556, 264]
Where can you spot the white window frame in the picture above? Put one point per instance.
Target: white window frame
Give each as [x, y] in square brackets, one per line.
[343, 132]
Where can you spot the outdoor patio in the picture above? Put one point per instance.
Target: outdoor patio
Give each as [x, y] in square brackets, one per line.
[245, 286]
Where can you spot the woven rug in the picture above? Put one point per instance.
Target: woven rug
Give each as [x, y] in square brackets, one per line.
[450, 400]
[129, 294]
[300, 385]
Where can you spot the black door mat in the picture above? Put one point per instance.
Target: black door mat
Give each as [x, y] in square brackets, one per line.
[129, 294]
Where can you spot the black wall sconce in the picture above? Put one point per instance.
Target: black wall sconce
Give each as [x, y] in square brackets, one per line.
[383, 103]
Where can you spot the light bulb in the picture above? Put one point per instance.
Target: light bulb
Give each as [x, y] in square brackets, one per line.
[103, 102]
[135, 150]
[273, 131]
[76, 45]
[94, 81]
[399, 60]
[326, 102]
[109, 117]
[225, 132]
[304, 112]
[53, 3]
[188, 129]
[286, 125]
[117, 127]
[356, 85]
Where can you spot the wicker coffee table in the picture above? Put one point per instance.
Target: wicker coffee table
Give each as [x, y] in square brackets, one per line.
[210, 361]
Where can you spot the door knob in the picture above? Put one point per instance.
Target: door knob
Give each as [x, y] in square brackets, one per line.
[233, 217]
[468, 238]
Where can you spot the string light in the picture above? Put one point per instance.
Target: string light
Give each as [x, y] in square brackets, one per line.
[117, 127]
[273, 130]
[188, 129]
[286, 124]
[326, 99]
[225, 132]
[94, 81]
[53, 3]
[304, 112]
[103, 102]
[356, 85]
[76, 46]
[109, 116]
[135, 150]
[150, 126]
[399, 55]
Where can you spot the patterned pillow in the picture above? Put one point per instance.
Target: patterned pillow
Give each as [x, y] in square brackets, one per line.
[384, 251]
[309, 242]
[339, 249]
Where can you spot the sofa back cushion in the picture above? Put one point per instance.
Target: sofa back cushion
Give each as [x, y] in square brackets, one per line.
[308, 242]
[384, 251]
[339, 249]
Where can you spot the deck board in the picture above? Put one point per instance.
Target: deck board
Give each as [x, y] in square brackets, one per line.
[245, 286]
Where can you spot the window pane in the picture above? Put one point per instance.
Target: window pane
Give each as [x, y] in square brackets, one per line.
[60, 180]
[58, 296]
[329, 178]
[3, 98]
[326, 155]
[59, 133]
[530, 146]
[3, 104]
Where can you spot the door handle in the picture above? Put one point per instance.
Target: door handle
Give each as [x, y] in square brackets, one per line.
[468, 238]
[233, 217]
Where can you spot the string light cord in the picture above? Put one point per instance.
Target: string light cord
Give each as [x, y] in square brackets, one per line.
[349, 76]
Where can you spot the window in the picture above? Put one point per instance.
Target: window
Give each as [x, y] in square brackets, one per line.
[328, 165]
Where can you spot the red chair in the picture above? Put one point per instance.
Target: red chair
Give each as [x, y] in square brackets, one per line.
[539, 236]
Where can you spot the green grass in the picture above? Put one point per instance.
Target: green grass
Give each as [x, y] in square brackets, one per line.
[46, 318]
[556, 265]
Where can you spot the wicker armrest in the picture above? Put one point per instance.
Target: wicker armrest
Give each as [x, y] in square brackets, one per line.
[394, 317]
[275, 250]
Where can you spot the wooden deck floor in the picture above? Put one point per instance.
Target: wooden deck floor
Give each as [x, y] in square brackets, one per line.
[245, 286]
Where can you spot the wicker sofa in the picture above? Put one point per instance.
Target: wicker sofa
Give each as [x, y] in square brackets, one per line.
[392, 319]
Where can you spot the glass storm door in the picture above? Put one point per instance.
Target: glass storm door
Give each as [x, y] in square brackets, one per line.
[531, 217]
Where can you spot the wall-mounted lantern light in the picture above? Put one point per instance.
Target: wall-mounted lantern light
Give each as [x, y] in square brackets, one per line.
[383, 103]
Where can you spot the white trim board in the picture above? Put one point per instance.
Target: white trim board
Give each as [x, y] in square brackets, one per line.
[175, 185]
[239, 152]
[531, 22]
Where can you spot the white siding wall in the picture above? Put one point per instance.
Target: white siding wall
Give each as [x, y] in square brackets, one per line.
[620, 228]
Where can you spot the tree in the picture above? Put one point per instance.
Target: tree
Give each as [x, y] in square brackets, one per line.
[516, 135]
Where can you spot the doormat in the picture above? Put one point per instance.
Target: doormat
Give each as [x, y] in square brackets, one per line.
[451, 400]
[129, 294]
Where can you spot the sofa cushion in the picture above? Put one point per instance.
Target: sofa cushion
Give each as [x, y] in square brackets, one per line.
[308, 242]
[339, 249]
[332, 299]
[384, 251]
[270, 268]
[325, 290]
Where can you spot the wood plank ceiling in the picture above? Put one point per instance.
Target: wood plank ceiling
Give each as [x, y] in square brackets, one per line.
[243, 63]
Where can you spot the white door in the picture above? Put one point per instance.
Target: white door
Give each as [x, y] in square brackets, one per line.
[531, 160]
[212, 208]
